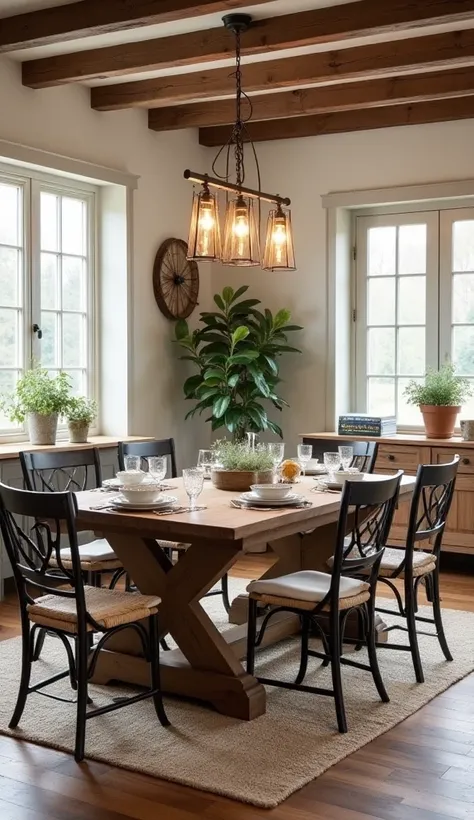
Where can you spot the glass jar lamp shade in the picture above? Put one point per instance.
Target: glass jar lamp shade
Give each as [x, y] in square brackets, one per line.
[204, 234]
[279, 251]
[241, 245]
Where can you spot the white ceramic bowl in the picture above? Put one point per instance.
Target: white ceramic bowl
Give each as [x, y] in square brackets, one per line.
[271, 492]
[348, 475]
[131, 478]
[141, 494]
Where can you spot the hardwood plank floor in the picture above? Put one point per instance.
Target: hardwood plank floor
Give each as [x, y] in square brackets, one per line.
[423, 769]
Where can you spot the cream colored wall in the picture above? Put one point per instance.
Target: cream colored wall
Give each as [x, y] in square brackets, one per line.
[62, 121]
[305, 169]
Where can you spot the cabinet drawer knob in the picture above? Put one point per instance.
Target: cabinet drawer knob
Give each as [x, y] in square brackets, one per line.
[391, 457]
[466, 461]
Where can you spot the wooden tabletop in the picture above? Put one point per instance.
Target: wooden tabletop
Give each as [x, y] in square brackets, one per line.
[219, 521]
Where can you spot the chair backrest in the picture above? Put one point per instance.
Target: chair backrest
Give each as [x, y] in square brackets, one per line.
[36, 556]
[365, 518]
[365, 452]
[431, 502]
[55, 472]
[148, 449]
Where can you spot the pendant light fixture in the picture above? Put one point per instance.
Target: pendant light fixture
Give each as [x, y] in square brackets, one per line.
[240, 244]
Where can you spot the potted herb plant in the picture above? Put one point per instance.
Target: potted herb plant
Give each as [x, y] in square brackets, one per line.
[80, 413]
[237, 466]
[237, 351]
[439, 399]
[40, 399]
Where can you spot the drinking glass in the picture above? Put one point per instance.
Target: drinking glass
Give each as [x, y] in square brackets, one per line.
[332, 462]
[132, 463]
[193, 480]
[252, 440]
[347, 454]
[158, 467]
[277, 451]
[206, 459]
[305, 453]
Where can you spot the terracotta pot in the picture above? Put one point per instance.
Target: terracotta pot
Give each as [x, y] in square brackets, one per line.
[439, 421]
[239, 480]
[78, 432]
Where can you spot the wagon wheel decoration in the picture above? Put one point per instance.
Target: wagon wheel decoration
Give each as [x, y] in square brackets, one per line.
[175, 280]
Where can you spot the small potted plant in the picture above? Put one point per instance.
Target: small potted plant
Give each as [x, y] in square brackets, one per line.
[80, 413]
[439, 399]
[238, 467]
[40, 399]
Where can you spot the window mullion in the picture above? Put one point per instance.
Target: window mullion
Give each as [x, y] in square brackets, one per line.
[32, 342]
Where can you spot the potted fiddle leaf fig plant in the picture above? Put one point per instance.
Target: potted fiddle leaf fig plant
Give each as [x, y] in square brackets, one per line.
[439, 398]
[80, 413]
[39, 399]
[237, 350]
[236, 466]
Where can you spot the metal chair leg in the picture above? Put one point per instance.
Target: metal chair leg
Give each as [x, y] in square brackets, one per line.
[225, 592]
[412, 634]
[155, 671]
[305, 630]
[26, 653]
[372, 652]
[336, 646]
[437, 615]
[82, 652]
[39, 644]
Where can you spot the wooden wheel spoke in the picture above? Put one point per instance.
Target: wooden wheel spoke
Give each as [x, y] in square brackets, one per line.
[176, 299]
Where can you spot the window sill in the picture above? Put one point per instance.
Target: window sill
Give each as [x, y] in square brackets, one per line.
[101, 442]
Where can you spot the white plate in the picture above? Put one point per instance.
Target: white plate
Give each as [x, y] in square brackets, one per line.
[250, 498]
[163, 501]
[116, 484]
[316, 470]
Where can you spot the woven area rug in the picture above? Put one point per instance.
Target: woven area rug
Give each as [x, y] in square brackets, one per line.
[261, 762]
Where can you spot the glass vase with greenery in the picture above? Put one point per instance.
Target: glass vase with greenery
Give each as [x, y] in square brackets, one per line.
[237, 351]
[40, 399]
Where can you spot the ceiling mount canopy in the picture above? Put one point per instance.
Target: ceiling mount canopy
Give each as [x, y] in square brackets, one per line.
[241, 239]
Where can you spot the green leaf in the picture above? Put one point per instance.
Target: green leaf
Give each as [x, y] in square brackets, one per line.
[240, 334]
[240, 292]
[287, 349]
[233, 380]
[213, 381]
[275, 428]
[227, 295]
[259, 380]
[190, 385]
[206, 392]
[243, 307]
[293, 327]
[219, 302]
[282, 317]
[181, 330]
[220, 406]
[272, 364]
[216, 423]
[214, 373]
[243, 358]
[258, 416]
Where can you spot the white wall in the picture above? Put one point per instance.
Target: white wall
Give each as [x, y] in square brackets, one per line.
[61, 121]
[304, 170]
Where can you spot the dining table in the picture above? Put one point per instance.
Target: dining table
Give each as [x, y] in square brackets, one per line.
[207, 664]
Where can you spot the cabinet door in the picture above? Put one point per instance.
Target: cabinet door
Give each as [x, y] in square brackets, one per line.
[459, 533]
[390, 458]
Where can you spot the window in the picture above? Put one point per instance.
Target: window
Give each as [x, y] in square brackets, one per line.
[414, 304]
[47, 236]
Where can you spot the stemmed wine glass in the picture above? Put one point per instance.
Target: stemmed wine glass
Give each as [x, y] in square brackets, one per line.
[157, 467]
[332, 462]
[193, 480]
[305, 452]
[277, 451]
[132, 463]
[346, 454]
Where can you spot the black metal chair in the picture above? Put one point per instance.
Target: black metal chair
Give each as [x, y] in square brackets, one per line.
[67, 607]
[365, 452]
[165, 447]
[366, 513]
[431, 502]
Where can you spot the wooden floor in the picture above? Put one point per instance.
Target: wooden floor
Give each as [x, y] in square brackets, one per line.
[422, 769]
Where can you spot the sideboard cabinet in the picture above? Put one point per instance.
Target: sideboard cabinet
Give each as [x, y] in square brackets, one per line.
[405, 452]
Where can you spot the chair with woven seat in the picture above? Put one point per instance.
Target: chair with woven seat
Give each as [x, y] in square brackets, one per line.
[166, 447]
[431, 502]
[364, 455]
[69, 608]
[320, 598]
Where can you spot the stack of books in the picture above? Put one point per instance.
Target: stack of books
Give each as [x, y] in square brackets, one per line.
[362, 424]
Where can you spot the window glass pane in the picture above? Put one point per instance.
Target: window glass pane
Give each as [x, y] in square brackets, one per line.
[382, 251]
[49, 222]
[467, 411]
[73, 226]
[381, 397]
[463, 298]
[49, 281]
[411, 249]
[463, 350]
[381, 301]
[463, 245]
[73, 340]
[10, 261]
[49, 342]
[411, 351]
[73, 283]
[412, 300]
[78, 381]
[407, 414]
[10, 213]
[9, 349]
[381, 351]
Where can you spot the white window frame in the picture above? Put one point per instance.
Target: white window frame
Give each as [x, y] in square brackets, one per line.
[33, 183]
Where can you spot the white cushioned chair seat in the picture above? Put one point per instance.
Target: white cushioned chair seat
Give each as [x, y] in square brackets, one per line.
[307, 585]
[98, 550]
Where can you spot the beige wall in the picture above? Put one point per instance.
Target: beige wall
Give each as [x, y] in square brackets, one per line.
[304, 170]
[61, 121]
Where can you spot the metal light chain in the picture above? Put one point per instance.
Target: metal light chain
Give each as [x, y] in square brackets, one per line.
[238, 128]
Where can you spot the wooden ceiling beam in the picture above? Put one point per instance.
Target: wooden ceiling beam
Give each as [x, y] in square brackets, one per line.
[324, 25]
[340, 97]
[458, 108]
[89, 17]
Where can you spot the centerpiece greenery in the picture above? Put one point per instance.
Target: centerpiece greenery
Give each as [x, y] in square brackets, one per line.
[40, 399]
[439, 398]
[80, 413]
[237, 351]
[238, 466]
